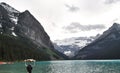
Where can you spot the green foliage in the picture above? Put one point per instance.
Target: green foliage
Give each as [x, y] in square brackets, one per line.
[19, 48]
[51, 53]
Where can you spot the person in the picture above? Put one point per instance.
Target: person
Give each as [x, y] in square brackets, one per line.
[29, 63]
[29, 68]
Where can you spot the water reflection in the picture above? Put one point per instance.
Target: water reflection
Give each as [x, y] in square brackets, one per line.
[43, 67]
[65, 67]
[55, 67]
[82, 67]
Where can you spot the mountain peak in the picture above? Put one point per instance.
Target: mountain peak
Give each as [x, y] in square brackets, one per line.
[116, 25]
[3, 3]
[8, 7]
[26, 33]
[113, 29]
[105, 47]
[26, 12]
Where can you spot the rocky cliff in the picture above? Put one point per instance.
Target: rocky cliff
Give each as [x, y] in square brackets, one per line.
[22, 29]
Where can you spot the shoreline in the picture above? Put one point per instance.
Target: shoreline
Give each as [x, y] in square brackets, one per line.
[2, 62]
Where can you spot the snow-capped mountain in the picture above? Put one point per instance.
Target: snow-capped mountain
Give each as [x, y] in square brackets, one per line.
[107, 46]
[12, 13]
[22, 36]
[22, 22]
[71, 45]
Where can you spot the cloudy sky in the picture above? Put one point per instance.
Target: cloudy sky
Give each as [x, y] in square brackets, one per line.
[71, 18]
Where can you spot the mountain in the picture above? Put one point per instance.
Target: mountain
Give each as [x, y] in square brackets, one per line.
[107, 46]
[71, 45]
[22, 36]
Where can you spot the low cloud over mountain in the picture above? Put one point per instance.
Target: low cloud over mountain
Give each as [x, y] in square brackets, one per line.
[111, 1]
[75, 26]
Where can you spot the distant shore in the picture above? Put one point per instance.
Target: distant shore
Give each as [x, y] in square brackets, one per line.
[1, 62]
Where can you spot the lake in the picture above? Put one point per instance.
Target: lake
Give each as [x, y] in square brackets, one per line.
[69, 66]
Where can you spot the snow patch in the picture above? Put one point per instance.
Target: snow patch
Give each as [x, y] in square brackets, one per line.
[12, 13]
[9, 8]
[12, 28]
[68, 53]
[13, 33]
[14, 20]
[0, 25]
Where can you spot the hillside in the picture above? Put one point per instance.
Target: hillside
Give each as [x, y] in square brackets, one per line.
[107, 46]
[22, 37]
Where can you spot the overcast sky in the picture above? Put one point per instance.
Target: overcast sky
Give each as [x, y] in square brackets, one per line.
[71, 18]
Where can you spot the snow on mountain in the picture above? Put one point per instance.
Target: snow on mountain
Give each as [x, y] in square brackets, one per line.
[80, 41]
[0, 28]
[107, 46]
[14, 19]
[32, 41]
[0, 25]
[71, 45]
[13, 33]
[68, 53]
[9, 8]
[12, 13]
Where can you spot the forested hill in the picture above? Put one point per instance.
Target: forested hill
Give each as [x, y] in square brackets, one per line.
[23, 37]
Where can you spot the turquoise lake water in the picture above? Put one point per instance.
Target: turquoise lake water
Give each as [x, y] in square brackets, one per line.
[70, 66]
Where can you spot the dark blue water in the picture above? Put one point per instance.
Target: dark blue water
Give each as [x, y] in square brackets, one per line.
[71, 66]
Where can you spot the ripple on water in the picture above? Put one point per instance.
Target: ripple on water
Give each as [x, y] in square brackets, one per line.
[84, 66]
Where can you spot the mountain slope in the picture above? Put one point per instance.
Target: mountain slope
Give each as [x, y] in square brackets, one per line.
[71, 45]
[107, 46]
[22, 37]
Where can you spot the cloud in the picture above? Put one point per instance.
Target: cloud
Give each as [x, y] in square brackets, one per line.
[72, 8]
[111, 1]
[75, 27]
